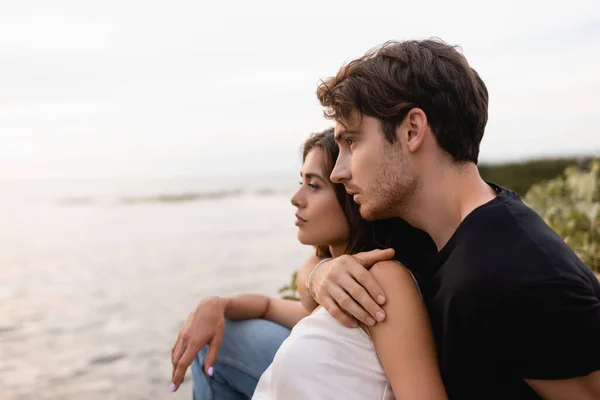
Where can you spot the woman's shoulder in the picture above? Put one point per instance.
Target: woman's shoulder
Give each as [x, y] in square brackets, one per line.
[392, 275]
[392, 269]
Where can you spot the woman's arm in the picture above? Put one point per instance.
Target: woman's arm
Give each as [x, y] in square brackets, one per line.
[206, 324]
[247, 306]
[404, 341]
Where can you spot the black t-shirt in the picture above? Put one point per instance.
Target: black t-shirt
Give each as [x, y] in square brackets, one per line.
[414, 248]
[509, 300]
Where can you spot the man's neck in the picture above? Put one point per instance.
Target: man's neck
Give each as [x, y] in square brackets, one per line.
[446, 199]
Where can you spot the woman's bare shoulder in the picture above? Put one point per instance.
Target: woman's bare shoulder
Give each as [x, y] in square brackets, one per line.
[393, 274]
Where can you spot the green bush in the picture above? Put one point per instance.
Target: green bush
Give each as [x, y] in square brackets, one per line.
[520, 176]
[290, 291]
[570, 204]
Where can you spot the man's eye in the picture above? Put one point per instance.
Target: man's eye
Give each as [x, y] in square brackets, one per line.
[350, 141]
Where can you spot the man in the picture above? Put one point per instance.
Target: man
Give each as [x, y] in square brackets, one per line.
[516, 315]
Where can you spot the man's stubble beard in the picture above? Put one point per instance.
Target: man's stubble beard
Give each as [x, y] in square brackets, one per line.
[392, 189]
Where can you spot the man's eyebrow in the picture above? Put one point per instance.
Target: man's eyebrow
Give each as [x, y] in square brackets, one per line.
[343, 132]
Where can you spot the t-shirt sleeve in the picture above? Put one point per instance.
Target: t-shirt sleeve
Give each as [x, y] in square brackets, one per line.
[549, 330]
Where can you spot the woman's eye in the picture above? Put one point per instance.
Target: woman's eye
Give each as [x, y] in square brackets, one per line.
[350, 141]
[312, 186]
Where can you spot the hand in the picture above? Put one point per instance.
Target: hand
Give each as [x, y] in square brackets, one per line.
[204, 326]
[347, 290]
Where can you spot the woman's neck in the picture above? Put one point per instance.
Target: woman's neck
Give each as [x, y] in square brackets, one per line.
[337, 250]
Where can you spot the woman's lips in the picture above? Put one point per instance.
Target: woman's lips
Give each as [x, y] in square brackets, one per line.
[299, 220]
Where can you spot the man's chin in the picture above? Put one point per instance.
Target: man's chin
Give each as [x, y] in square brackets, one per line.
[365, 213]
[371, 214]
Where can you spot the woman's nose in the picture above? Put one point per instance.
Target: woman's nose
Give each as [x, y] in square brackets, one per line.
[297, 199]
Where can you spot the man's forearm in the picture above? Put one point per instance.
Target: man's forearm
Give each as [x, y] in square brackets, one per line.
[306, 298]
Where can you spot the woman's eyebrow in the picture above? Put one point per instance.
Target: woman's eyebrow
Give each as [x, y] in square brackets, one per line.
[309, 175]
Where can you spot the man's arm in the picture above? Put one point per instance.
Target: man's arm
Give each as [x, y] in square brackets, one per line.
[582, 388]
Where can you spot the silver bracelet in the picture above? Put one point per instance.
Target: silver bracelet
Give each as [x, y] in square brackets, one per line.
[311, 275]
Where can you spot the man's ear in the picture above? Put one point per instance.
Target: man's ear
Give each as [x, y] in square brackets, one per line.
[415, 128]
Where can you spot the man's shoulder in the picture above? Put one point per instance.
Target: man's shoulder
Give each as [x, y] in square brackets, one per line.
[508, 247]
[510, 232]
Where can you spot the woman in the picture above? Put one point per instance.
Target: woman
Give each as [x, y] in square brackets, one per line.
[320, 358]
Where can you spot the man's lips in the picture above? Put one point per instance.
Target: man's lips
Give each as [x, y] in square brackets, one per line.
[354, 193]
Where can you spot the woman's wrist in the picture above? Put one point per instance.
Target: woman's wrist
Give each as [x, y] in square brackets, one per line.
[225, 304]
[309, 285]
[214, 303]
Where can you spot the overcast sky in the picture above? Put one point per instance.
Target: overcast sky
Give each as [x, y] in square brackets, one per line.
[154, 88]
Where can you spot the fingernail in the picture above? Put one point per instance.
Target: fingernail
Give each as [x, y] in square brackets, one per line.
[172, 387]
[370, 321]
[355, 324]
[379, 315]
[210, 371]
[380, 299]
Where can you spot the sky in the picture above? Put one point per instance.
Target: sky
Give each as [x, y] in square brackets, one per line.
[149, 88]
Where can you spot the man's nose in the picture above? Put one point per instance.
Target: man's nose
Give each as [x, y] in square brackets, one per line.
[341, 171]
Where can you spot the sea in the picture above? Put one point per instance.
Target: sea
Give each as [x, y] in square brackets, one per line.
[97, 276]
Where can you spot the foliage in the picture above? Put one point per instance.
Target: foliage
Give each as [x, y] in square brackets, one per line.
[570, 204]
[290, 291]
[520, 176]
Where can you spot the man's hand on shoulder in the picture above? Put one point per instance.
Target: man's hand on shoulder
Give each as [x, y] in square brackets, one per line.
[348, 291]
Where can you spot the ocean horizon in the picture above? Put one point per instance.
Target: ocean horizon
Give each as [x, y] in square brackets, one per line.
[98, 276]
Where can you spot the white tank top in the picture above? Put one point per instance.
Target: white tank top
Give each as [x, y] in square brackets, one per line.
[322, 359]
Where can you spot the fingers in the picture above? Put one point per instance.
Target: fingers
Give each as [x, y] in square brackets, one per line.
[211, 354]
[366, 280]
[355, 285]
[349, 306]
[176, 354]
[174, 347]
[182, 366]
[369, 258]
[177, 349]
[336, 312]
[346, 286]
[180, 348]
[375, 293]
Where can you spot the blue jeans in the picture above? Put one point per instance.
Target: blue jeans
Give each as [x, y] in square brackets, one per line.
[247, 350]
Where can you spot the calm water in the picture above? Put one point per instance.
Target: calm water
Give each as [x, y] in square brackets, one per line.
[97, 277]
